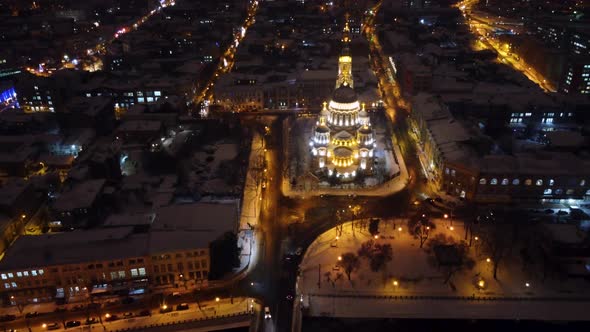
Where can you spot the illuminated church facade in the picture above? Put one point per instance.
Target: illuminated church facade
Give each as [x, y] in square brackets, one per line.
[343, 140]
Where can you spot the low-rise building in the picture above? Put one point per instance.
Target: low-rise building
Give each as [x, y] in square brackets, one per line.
[74, 266]
[80, 205]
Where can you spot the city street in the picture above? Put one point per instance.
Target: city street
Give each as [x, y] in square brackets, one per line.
[135, 319]
[484, 28]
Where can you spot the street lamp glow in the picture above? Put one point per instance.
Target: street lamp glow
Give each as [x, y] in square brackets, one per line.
[339, 258]
[452, 228]
[399, 229]
[481, 283]
[217, 299]
[337, 237]
[446, 216]
[476, 238]
[526, 284]
[376, 237]
[488, 260]
[395, 283]
[107, 315]
[164, 307]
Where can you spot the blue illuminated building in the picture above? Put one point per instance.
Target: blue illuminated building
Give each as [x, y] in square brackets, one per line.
[8, 97]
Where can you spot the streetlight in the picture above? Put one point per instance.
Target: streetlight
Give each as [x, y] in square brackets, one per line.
[339, 258]
[488, 260]
[376, 237]
[526, 284]
[399, 229]
[395, 283]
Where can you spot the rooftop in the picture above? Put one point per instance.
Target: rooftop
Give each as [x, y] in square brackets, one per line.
[81, 196]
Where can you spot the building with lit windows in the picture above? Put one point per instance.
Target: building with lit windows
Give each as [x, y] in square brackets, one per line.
[171, 251]
[343, 139]
[8, 98]
[457, 162]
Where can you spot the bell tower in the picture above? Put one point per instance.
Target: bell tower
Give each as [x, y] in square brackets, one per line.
[345, 60]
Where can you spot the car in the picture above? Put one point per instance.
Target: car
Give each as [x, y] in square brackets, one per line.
[50, 326]
[31, 314]
[110, 318]
[182, 306]
[289, 297]
[7, 318]
[176, 294]
[91, 320]
[61, 309]
[78, 307]
[267, 313]
[145, 313]
[73, 323]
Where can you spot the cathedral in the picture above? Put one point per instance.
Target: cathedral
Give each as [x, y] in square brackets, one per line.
[343, 139]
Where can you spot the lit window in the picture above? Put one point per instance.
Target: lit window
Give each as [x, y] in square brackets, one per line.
[157, 93]
[539, 182]
[142, 271]
[528, 182]
[121, 274]
[559, 192]
[494, 181]
[4, 276]
[34, 273]
[6, 285]
[150, 99]
[10, 275]
[19, 274]
[26, 273]
[134, 272]
[13, 284]
[113, 275]
[41, 272]
[547, 191]
[140, 99]
[482, 181]
[583, 183]
[551, 182]
[516, 182]
[505, 182]
[569, 192]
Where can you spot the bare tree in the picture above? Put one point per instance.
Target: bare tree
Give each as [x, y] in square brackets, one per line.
[497, 240]
[350, 262]
[420, 228]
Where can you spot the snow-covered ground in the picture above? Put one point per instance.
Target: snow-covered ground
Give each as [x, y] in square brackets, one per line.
[411, 274]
